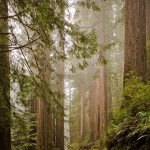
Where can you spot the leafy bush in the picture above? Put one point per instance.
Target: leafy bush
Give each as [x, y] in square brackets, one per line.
[22, 130]
[74, 146]
[130, 127]
[86, 144]
[23, 122]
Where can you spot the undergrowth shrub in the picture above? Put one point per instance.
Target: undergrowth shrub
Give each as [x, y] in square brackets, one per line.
[130, 126]
[86, 144]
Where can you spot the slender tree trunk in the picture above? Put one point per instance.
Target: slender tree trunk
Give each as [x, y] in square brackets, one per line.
[103, 100]
[135, 38]
[5, 140]
[82, 98]
[60, 116]
[102, 103]
[60, 88]
[87, 112]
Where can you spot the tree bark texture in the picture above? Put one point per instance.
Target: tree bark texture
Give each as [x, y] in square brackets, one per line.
[148, 34]
[60, 109]
[43, 110]
[41, 106]
[5, 140]
[135, 38]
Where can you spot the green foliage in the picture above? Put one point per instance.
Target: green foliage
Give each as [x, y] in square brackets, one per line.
[75, 118]
[81, 47]
[47, 17]
[89, 4]
[89, 144]
[130, 127]
[109, 46]
[38, 20]
[132, 133]
[86, 144]
[74, 146]
[23, 135]
[23, 123]
[136, 96]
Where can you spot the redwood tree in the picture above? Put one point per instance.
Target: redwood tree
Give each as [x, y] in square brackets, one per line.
[148, 34]
[60, 108]
[43, 106]
[135, 37]
[4, 80]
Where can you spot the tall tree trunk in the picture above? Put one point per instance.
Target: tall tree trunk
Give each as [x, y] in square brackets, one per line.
[60, 88]
[41, 105]
[135, 38]
[148, 34]
[82, 99]
[5, 140]
[60, 116]
[100, 95]
[103, 100]
[44, 109]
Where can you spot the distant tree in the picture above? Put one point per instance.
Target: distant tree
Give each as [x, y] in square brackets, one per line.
[43, 106]
[60, 70]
